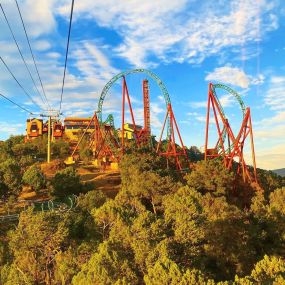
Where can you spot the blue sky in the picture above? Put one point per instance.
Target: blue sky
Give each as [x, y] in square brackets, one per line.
[188, 44]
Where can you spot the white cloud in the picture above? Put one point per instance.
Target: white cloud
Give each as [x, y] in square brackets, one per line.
[271, 158]
[275, 96]
[42, 45]
[39, 16]
[229, 75]
[269, 134]
[170, 31]
[10, 128]
[227, 100]
[197, 105]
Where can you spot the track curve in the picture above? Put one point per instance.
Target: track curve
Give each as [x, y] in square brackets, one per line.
[125, 73]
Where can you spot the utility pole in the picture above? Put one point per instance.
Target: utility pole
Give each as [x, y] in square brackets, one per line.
[49, 132]
[50, 114]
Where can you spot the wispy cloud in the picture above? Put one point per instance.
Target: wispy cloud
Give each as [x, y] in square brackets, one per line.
[229, 75]
[271, 158]
[162, 28]
[11, 128]
[275, 96]
[235, 77]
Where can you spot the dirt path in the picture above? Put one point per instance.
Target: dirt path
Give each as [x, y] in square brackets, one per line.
[109, 182]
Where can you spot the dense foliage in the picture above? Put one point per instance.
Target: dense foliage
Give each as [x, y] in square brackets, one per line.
[208, 227]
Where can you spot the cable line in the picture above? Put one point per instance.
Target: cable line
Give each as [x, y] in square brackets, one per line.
[24, 27]
[21, 86]
[23, 108]
[11, 31]
[66, 54]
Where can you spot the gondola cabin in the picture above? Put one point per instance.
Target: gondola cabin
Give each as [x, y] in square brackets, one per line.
[34, 128]
[45, 128]
[57, 130]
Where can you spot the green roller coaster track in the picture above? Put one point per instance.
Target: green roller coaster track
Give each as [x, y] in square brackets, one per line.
[123, 74]
[239, 100]
[46, 206]
[231, 91]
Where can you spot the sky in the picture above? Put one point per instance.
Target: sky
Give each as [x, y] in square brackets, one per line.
[187, 44]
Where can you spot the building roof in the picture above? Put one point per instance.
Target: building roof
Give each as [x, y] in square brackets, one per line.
[131, 126]
[34, 119]
[77, 119]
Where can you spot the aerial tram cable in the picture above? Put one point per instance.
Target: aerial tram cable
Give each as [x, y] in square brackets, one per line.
[66, 54]
[23, 24]
[11, 101]
[21, 86]
[11, 31]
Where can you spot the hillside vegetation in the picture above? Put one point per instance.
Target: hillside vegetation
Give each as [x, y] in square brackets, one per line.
[280, 171]
[203, 227]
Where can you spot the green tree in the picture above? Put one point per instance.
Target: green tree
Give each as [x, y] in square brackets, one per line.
[111, 264]
[65, 267]
[90, 200]
[269, 270]
[164, 272]
[146, 232]
[167, 272]
[184, 215]
[59, 149]
[11, 175]
[66, 182]
[35, 243]
[277, 202]
[183, 212]
[211, 176]
[144, 178]
[34, 177]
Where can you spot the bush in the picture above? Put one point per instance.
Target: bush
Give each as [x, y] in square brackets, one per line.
[10, 173]
[34, 178]
[66, 182]
[60, 148]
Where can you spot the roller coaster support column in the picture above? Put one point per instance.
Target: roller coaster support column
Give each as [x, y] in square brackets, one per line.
[123, 116]
[125, 93]
[171, 150]
[238, 147]
[212, 102]
[207, 124]
[252, 149]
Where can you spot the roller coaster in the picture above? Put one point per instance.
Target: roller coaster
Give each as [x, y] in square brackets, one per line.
[109, 143]
[230, 146]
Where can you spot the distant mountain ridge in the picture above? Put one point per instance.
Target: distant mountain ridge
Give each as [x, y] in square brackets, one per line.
[280, 171]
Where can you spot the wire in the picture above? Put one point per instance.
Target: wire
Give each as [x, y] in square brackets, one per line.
[23, 24]
[66, 54]
[21, 86]
[11, 31]
[23, 108]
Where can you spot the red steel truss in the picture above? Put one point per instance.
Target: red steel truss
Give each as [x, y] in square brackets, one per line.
[171, 147]
[230, 147]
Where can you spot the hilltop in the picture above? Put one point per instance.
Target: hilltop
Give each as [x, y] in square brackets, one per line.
[280, 171]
